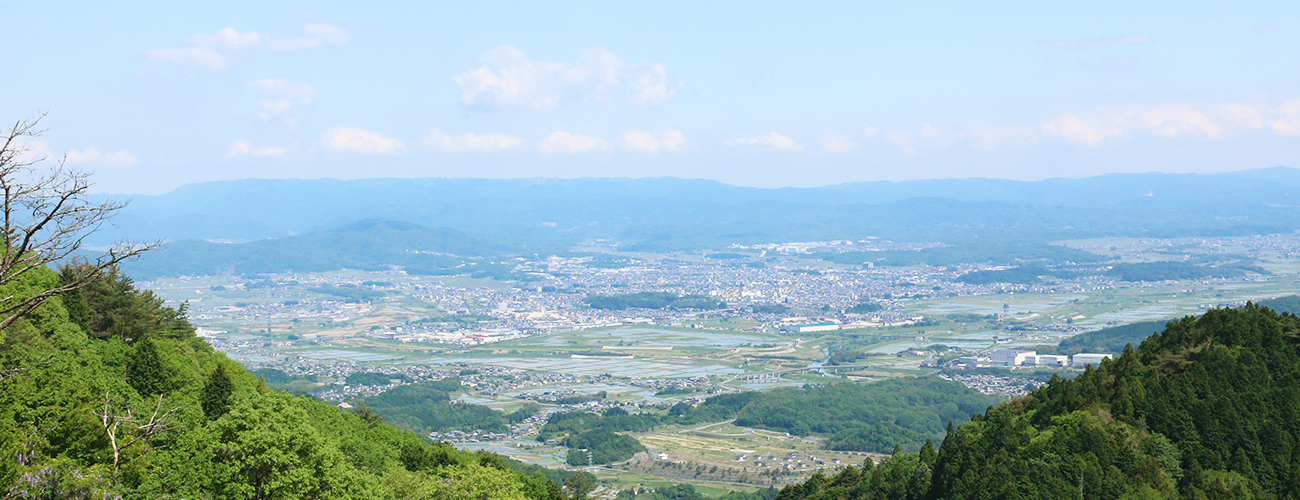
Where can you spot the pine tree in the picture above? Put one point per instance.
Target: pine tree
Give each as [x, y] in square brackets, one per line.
[216, 394]
[927, 453]
[145, 370]
[370, 417]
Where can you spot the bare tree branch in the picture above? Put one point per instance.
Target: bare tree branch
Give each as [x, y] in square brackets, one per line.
[47, 214]
[119, 422]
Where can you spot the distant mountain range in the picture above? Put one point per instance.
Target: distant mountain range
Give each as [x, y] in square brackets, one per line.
[495, 217]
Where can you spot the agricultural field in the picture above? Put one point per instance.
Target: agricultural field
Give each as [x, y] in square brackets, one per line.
[529, 343]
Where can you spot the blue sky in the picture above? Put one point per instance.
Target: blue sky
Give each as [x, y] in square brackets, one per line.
[151, 96]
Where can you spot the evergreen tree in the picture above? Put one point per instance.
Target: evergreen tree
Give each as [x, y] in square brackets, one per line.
[216, 394]
[145, 370]
[369, 417]
[927, 453]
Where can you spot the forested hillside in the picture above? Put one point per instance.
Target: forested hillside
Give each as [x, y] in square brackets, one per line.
[106, 393]
[1208, 409]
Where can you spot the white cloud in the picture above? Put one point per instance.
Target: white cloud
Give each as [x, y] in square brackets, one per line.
[91, 155]
[1289, 122]
[1176, 120]
[1246, 116]
[652, 143]
[243, 147]
[289, 93]
[202, 55]
[510, 79]
[271, 107]
[360, 141]
[31, 151]
[837, 144]
[1166, 120]
[119, 159]
[1073, 129]
[902, 139]
[88, 155]
[565, 142]
[476, 143]
[319, 34]
[199, 57]
[228, 38]
[771, 140]
[649, 84]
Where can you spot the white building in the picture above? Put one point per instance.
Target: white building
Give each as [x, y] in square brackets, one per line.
[1082, 359]
[816, 327]
[1051, 360]
[1012, 357]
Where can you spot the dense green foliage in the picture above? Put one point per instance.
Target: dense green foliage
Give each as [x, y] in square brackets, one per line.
[107, 393]
[858, 417]
[1208, 409]
[867, 417]
[687, 492]
[604, 445]
[1288, 304]
[374, 378]
[1165, 271]
[845, 357]
[652, 300]
[1110, 340]
[559, 425]
[426, 407]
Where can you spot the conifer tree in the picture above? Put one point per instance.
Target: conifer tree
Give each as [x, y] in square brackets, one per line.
[216, 394]
[145, 370]
[927, 453]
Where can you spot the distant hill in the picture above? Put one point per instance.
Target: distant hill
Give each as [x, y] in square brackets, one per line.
[1288, 304]
[1111, 340]
[654, 209]
[979, 220]
[368, 245]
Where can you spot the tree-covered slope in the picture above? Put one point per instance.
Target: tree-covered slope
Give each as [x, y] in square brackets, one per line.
[1210, 408]
[106, 393]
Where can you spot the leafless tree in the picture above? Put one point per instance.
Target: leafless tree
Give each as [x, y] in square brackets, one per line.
[120, 423]
[48, 213]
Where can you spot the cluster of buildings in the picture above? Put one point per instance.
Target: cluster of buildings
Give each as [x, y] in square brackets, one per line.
[850, 322]
[791, 461]
[1013, 358]
[695, 384]
[1010, 387]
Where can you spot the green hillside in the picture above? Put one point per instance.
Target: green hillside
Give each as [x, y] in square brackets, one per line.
[106, 393]
[1208, 409]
